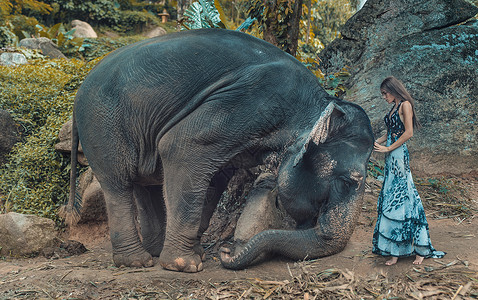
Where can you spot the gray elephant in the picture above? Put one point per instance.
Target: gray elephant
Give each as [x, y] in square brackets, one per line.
[164, 122]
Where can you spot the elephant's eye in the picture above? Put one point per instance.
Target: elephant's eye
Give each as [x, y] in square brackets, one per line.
[346, 183]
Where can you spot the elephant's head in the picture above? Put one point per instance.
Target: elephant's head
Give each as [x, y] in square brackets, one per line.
[320, 184]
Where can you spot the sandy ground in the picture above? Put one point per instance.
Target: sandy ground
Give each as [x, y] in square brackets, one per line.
[92, 275]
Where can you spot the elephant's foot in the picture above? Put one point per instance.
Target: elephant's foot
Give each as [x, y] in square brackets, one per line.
[189, 262]
[137, 260]
[199, 250]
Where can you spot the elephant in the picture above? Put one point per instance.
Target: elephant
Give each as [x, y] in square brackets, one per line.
[164, 123]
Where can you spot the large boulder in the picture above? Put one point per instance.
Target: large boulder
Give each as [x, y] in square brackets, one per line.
[45, 45]
[83, 29]
[12, 59]
[25, 235]
[156, 31]
[9, 134]
[92, 199]
[427, 46]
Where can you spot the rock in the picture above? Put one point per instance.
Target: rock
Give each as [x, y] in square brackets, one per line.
[64, 145]
[157, 31]
[427, 46]
[12, 59]
[9, 134]
[45, 45]
[25, 235]
[83, 29]
[65, 249]
[93, 206]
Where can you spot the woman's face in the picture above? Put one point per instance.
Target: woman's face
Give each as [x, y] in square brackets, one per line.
[387, 96]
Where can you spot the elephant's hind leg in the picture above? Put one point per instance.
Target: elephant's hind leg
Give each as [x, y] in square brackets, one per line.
[152, 217]
[127, 248]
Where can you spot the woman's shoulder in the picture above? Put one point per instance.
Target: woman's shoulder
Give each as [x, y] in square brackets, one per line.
[405, 106]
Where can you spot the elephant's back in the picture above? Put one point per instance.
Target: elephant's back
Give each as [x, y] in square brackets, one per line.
[177, 65]
[159, 78]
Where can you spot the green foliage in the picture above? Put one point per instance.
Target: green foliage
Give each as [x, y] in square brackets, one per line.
[5, 7]
[203, 14]
[7, 37]
[22, 26]
[96, 12]
[335, 84]
[122, 16]
[101, 46]
[136, 21]
[66, 42]
[441, 185]
[328, 16]
[23, 6]
[276, 17]
[39, 96]
[375, 168]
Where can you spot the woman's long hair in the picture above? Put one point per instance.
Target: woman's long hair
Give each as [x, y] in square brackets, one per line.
[395, 87]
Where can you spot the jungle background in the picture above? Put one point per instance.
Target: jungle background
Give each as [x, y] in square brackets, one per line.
[34, 177]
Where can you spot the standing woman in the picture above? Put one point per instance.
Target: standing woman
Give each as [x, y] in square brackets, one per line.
[402, 228]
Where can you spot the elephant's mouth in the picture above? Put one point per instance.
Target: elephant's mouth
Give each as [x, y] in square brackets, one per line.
[307, 224]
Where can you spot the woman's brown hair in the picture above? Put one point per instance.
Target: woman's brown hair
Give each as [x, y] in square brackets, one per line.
[395, 87]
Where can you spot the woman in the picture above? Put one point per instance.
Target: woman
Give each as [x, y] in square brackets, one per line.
[402, 228]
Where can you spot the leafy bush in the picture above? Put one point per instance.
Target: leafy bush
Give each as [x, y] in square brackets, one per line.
[7, 37]
[66, 42]
[136, 21]
[93, 48]
[23, 26]
[96, 12]
[123, 16]
[39, 96]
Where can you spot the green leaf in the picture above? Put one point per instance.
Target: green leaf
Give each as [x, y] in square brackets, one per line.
[53, 31]
[202, 14]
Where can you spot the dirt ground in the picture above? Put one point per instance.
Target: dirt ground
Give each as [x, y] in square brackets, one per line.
[355, 273]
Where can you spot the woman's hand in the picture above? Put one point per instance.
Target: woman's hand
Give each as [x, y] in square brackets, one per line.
[379, 148]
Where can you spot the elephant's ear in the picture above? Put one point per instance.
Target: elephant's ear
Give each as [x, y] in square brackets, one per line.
[320, 131]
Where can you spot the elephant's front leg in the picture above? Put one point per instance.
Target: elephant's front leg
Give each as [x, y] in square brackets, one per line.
[127, 248]
[184, 194]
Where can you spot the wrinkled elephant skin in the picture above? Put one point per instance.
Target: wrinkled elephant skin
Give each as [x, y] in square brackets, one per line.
[165, 121]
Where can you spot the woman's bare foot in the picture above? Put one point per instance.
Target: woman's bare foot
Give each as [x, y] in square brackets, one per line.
[391, 261]
[418, 260]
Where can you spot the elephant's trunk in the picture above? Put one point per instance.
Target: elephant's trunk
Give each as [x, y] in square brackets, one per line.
[294, 244]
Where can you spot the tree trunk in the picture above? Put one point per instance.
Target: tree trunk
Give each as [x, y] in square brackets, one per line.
[293, 31]
[291, 35]
[182, 6]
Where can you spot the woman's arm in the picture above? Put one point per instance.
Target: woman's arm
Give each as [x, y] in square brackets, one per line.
[381, 139]
[407, 113]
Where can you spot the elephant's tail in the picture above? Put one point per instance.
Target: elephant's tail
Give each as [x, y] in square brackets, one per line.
[71, 211]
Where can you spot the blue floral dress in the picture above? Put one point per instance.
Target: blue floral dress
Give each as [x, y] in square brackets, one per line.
[401, 228]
